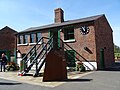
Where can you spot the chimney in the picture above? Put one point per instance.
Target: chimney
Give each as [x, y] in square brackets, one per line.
[59, 15]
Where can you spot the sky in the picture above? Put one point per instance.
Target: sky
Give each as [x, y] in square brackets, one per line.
[22, 14]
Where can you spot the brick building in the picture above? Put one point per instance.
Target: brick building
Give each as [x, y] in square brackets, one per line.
[7, 41]
[90, 39]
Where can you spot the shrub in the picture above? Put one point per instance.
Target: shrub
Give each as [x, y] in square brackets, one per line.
[80, 67]
[12, 66]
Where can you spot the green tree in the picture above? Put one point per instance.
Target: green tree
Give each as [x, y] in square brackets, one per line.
[116, 49]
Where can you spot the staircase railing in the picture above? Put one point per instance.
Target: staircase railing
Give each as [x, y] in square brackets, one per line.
[35, 53]
[42, 55]
[78, 57]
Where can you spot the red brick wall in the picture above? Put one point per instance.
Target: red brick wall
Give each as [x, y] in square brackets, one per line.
[82, 41]
[99, 36]
[104, 39]
[25, 48]
[7, 39]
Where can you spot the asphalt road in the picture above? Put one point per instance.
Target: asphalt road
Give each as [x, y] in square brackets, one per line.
[13, 85]
[98, 80]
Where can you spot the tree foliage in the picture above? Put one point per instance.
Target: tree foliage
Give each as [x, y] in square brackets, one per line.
[116, 49]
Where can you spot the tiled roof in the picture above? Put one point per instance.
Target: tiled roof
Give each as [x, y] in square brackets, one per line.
[92, 18]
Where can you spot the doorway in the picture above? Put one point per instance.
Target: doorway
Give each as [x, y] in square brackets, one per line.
[70, 58]
[56, 37]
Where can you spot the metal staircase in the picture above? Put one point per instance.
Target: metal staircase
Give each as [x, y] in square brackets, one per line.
[36, 55]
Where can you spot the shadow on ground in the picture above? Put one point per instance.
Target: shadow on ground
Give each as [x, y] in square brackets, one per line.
[72, 80]
[40, 74]
[78, 80]
[115, 67]
[4, 83]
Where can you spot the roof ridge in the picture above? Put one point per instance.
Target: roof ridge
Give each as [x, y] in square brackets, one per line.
[88, 17]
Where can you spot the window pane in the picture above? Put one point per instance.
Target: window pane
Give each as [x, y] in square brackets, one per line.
[71, 30]
[65, 35]
[26, 39]
[20, 39]
[68, 33]
[32, 38]
[38, 37]
[71, 36]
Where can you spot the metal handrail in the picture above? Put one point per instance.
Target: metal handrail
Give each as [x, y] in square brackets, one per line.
[42, 49]
[77, 54]
[37, 56]
[32, 53]
[34, 46]
[43, 56]
[32, 49]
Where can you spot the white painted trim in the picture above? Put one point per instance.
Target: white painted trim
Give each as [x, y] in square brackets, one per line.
[32, 43]
[73, 40]
[40, 43]
[35, 43]
[22, 44]
[90, 65]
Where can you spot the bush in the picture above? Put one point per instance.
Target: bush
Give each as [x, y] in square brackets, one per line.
[80, 67]
[12, 66]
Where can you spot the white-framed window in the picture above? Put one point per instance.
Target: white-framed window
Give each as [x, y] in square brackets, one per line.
[69, 33]
[32, 38]
[25, 39]
[38, 36]
[20, 39]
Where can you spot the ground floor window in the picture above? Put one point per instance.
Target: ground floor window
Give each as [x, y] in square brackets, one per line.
[70, 58]
[32, 38]
[20, 39]
[29, 38]
[25, 39]
[38, 36]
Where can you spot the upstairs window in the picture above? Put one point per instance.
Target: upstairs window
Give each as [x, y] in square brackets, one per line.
[69, 33]
[25, 39]
[32, 38]
[38, 36]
